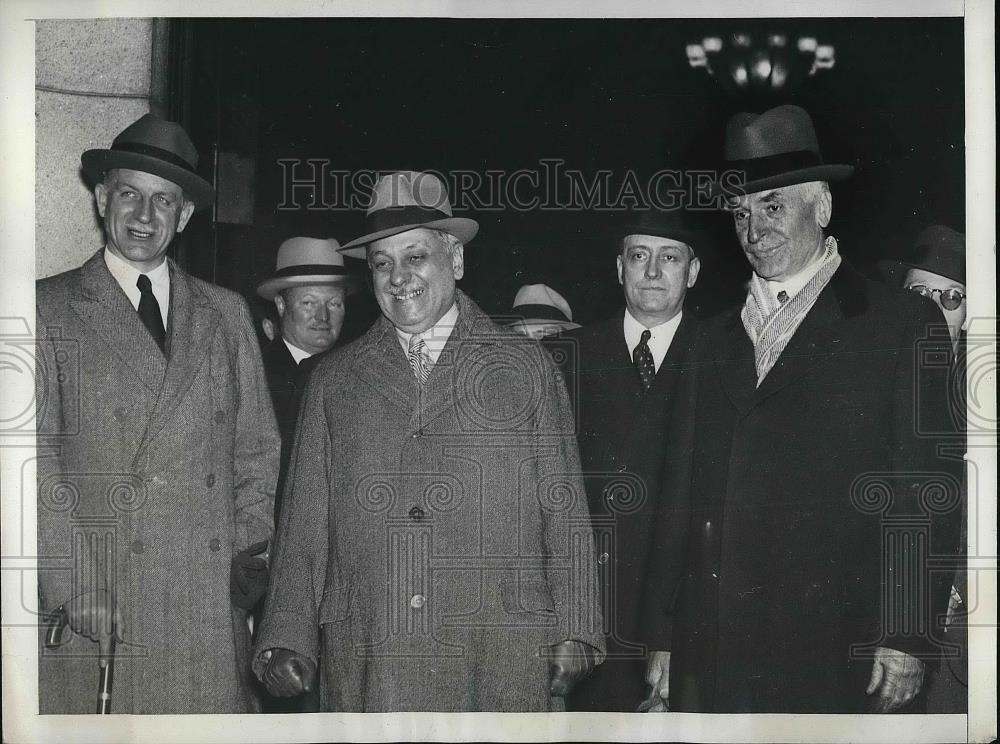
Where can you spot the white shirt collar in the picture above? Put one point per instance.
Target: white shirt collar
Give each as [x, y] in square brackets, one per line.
[126, 275]
[660, 337]
[434, 337]
[297, 354]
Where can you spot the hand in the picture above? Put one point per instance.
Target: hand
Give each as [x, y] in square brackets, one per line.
[569, 662]
[658, 679]
[897, 677]
[248, 576]
[95, 615]
[287, 673]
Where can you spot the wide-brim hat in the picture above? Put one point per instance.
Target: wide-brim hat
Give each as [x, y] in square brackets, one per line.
[939, 250]
[405, 201]
[671, 224]
[308, 262]
[540, 304]
[153, 145]
[774, 149]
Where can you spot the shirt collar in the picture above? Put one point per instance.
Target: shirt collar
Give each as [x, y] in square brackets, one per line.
[127, 275]
[633, 329]
[434, 337]
[297, 354]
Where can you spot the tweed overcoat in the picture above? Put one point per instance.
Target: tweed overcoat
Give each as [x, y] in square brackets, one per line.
[434, 540]
[152, 475]
[623, 451]
[804, 491]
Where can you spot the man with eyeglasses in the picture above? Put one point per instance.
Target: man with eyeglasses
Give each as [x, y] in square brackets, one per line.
[938, 272]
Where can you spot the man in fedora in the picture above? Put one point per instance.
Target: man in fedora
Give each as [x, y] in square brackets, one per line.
[808, 470]
[309, 289]
[625, 373]
[540, 312]
[158, 452]
[434, 552]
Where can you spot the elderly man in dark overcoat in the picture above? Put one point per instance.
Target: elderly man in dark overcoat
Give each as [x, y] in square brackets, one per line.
[158, 454]
[819, 499]
[434, 552]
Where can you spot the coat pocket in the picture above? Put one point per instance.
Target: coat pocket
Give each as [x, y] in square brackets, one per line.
[335, 606]
[526, 595]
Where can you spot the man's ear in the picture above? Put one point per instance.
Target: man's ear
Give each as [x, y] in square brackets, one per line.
[824, 207]
[458, 260]
[694, 267]
[279, 302]
[186, 211]
[101, 196]
[618, 262]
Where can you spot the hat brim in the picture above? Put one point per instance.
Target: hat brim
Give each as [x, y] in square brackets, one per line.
[789, 178]
[566, 325]
[98, 162]
[463, 228]
[948, 272]
[270, 288]
[684, 235]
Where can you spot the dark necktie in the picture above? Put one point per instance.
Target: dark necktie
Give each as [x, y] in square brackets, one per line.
[783, 297]
[149, 311]
[642, 358]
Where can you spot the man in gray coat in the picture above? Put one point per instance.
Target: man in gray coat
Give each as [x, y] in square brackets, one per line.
[434, 552]
[158, 454]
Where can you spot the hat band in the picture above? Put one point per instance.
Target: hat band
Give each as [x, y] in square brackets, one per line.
[309, 270]
[772, 165]
[541, 312]
[390, 217]
[153, 152]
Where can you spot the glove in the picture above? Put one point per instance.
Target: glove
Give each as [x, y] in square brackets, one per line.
[658, 679]
[287, 673]
[95, 615]
[570, 662]
[248, 576]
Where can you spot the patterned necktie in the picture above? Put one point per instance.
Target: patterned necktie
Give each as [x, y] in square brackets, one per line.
[783, 297]
[642, 358]
[417, 357]
[149, 311]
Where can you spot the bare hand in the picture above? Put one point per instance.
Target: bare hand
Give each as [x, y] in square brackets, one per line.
[658, 679]
[570, 662]
[897, 677]
[95, 615]
[287, 673]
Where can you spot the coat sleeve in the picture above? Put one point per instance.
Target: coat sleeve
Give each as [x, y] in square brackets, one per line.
[561, 485]
[927, 482]
[258, 446]
[298, 574]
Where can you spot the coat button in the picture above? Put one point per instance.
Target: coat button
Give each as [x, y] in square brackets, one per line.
[417, 601]
[214, 544]
[603, 558]
[416, 513]
[220, 416]
[137, 546]
[210, 480]
[417, 434]
[120, 414]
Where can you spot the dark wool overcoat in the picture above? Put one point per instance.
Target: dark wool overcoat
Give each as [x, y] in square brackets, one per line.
[814, 497]
[434, 540]
[622, 433]
[152, 474]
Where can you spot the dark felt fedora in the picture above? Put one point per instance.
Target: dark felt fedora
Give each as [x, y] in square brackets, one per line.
[774, 149]
[660, 223]
[405, 201]
[153, 145]
[939, 250]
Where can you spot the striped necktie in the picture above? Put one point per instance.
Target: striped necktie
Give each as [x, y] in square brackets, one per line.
[417, 356]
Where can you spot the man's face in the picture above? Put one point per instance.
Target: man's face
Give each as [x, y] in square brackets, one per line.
[781, 230]
[656, 274]
[955, 318]
[414, 276]
[142, 213]
[311, 316]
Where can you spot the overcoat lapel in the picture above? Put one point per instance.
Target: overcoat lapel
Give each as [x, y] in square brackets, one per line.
[193, 324]
[735, 364]
[106, 309]
[381, 364]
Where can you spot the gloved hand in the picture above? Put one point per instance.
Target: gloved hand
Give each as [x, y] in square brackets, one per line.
[569, 662]
[248, 576]
[95, 615]
[287, 673]
[658, 679]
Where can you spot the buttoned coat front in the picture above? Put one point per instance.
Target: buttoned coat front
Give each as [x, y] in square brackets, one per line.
[434, 540]
[152, 474]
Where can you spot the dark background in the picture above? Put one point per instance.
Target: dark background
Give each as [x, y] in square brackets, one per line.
[445, 94]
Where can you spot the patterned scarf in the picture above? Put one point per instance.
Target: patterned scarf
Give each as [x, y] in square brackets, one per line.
[769, 324]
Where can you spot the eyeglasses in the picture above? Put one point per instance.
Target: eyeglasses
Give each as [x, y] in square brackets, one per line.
[951, 299]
